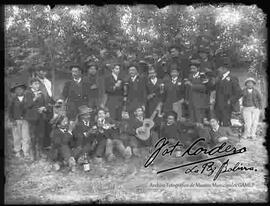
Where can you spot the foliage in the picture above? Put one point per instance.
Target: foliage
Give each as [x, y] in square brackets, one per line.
[39, 36]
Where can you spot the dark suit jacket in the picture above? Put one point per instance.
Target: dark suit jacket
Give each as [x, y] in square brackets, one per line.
[32, 113]
[228, 89]
[59, 138]
[174, 92]
[17, 109]
[78, 132]
[136, 93]
[152, 103]
[222, 132]
[198, 95]
[76, 95]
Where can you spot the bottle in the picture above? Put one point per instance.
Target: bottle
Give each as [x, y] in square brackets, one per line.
[86, 165]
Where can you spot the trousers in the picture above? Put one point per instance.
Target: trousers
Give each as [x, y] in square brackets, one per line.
[251, 118]
[21, 137]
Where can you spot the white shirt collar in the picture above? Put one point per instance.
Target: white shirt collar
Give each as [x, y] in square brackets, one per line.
[174, 79]
[154, 80]
[250, 90]
[215, 129]
[86, 123]
[225, 75]
[115, 76]
[78, 80]
[20, 98]
[196, 75]
[48, 85]
[134, 78]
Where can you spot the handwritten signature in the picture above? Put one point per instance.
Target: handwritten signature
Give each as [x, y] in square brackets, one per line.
[219, 151]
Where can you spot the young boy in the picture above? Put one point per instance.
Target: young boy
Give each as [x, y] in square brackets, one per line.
[62, 141]
[35, 114]
[120, 140]
[83, 133]
[252, 104]
[20, 126]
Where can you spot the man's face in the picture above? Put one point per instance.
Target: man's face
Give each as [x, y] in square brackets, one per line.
[35, 85]
[92, 70]
[125, 115]
[152, 73]
[86, 117]
[76, 72]
[174, 52]
[213, 123]
[42, 73]
[19, 91]
[193, 69]
[133, 71]
[101, 114]
[139, 112]
[170, 120]
[250, 84]
[221, 71]
[174, 73]
[116, 69]
[203, 55]
[64, 123]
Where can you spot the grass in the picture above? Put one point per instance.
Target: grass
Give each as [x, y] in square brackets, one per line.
[122, 181]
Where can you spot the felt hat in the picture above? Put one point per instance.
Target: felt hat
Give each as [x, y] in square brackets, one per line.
[84, 110]
[195, 62]
[17, 84]
[171, 113]
[250, 79]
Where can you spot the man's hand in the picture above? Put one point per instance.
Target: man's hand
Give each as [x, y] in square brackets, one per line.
[41, 109]
[118, 83]
[199, 125]
[94, 86]
[150, 96]
[222, 139]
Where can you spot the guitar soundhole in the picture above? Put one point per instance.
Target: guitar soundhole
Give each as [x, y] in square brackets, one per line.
[147, 125]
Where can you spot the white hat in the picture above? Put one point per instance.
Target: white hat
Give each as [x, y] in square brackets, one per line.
[250, 79]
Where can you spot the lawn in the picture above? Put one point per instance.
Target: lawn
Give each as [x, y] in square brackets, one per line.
[129, 181]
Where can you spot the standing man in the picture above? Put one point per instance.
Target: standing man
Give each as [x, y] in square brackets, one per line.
[94, 85]
[196, 90]
[174, 92]
[114, 91]
[136, 89]
[46, 88]
[75, 93]
[228, 93]
[154, 91]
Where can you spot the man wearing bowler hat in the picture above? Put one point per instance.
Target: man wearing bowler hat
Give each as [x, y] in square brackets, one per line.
[20, 126]
[228, 92]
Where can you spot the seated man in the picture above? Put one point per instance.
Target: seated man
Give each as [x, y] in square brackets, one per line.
[105, 130]
[62, 142]
[137, 122]
[219, 134]
[83, 133]
[121, 140]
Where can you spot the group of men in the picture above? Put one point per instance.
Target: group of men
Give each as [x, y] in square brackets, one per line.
[103, 111]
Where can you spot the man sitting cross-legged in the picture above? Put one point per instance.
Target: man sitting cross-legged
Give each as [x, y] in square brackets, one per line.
[62, 141]
[137, 122]
[122, 140]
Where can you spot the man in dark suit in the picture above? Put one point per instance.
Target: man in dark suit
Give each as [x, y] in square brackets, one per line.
[196, 94]
[136, 94]
[155, 90]
[228, 93]
[114, 91]
[75, 93]
[174, 92]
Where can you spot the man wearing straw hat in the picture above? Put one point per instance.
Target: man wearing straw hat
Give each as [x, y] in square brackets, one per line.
[252, 104]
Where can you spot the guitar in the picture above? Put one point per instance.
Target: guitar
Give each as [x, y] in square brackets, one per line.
[144, 132]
